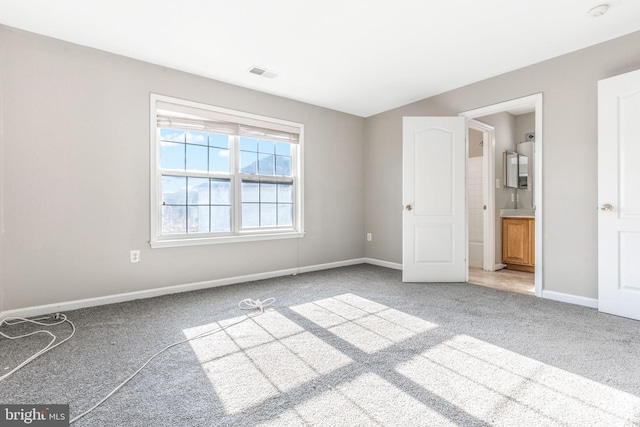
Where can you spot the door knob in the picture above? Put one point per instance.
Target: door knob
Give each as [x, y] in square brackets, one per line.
[409, 207]
[606, 207]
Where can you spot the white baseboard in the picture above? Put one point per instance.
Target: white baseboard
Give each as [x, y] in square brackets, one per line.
[330, 265]
[381, 263]
[571, 299]
[149, 293]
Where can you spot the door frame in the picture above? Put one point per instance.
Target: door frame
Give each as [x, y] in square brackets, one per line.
[489, 199]
[534, 101]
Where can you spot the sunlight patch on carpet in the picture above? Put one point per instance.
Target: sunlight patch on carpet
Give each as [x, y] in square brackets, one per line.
[327, 361]
[389, 405]
[498, 386]
[238, 383]
[334, 409]
[367, 325]
[260, 358]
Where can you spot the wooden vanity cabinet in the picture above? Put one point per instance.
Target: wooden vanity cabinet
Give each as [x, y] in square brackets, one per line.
[518, 248]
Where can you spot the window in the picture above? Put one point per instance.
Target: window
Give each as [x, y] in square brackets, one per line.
[219, 175]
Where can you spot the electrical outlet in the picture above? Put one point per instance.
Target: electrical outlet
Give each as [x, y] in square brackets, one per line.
[369, 237]
[134, 256]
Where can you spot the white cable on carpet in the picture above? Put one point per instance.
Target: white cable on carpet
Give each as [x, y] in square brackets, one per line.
[10, 321]
[249, 304]
[246, 304]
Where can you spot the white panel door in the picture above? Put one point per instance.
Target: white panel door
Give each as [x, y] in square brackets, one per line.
[619, 195]
[434, 241]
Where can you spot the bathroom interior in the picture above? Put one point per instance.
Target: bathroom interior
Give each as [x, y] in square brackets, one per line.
[514, 210]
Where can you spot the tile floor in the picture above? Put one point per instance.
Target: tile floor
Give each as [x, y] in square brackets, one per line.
[506, 280]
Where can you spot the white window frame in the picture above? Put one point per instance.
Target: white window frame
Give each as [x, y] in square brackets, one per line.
[158, 240]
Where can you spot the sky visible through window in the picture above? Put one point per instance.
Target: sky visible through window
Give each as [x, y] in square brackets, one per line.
[203, 203]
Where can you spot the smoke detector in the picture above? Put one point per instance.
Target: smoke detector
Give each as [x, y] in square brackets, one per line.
[261, 71]
[597, 11]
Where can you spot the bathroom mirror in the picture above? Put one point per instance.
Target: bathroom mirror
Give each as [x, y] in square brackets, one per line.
[523, 171]
[510, 169]
[516, 170]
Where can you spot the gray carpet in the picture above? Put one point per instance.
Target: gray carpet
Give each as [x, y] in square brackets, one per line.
[349, 346]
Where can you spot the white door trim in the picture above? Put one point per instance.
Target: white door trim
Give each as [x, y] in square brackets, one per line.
[488, 188]
[535, 101]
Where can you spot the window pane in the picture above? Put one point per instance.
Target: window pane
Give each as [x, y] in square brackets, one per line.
[217, 181]
[285, 214]
[248, 144]
[198, 220]
[174, 190]
[171, 155]
[267, 192]
[220, 192]
[266, 164]
[220, 218]
[199, 138]
[283, 149]
[266, 146]
[268, 215]
[218, 160]
[174, 220]
[198, 191]
[250, 215]
[285, 193]
[250, 191]
[197, 158]
[172, 135]
[219, 140]
[248, 162]
[283, 165]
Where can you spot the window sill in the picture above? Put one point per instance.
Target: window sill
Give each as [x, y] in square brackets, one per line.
[178, 242]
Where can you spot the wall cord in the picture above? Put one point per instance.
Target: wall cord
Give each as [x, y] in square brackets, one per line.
[246, 304]
[249, 304]
[59, 318]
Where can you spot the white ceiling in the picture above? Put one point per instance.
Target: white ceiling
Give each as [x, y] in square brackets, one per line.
[357, 56]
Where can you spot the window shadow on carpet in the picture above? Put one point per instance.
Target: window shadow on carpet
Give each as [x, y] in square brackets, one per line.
[348, 360]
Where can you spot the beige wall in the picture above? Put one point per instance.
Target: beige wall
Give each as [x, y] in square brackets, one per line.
[569, 85]
[75, 144]
[525, 123]
[475, 138]
[74, 182]
[2, 163]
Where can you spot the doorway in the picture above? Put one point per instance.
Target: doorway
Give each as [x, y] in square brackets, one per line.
[476, 203]
[493, 183]
[480, 201]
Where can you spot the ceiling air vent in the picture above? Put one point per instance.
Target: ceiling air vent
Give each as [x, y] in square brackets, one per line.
[263, 72]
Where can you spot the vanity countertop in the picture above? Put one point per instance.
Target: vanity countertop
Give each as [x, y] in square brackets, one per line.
[517, 213]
